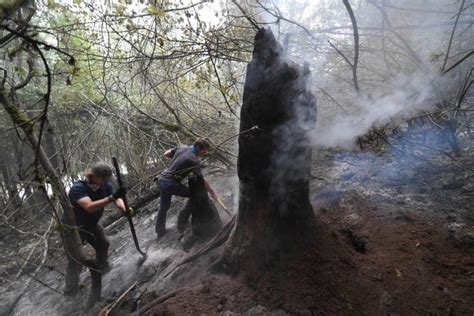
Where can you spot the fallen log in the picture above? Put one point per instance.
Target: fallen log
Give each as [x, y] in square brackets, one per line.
[137, 204]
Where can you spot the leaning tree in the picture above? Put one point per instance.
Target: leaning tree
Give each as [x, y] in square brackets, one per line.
[16, 32]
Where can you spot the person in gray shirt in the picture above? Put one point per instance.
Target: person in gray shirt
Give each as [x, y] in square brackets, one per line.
[184, 161]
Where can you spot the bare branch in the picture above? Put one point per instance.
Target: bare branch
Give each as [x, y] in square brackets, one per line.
[252, 21]
[452, 35]
[459, 62]
[356, 44]
[72, 60]
[280, 17]
[44, 115]
[341, 53]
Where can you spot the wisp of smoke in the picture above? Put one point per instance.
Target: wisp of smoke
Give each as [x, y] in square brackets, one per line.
[409, 95]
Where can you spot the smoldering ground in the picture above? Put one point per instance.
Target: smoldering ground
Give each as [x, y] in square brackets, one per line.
[409, 95]
[404, 48]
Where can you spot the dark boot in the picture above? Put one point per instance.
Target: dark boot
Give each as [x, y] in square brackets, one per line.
[160, 230]
[102, 249]
[183, 218]
[96, 289]
[72, 278]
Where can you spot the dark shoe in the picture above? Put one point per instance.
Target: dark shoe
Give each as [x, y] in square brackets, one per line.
[160, 232]
[105, 268]
[160, 228]
[71, 293]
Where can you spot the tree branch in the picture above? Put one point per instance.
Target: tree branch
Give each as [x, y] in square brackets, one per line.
[44, 115]
[252, 22]
[71, 61]
[459, 62]
[356, 44]
[341, 53]
[452, 35]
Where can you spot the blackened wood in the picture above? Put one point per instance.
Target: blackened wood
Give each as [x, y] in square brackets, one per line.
[205, 219]
[274, 163]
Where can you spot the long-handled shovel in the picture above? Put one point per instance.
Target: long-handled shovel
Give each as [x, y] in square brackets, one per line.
[219, 201]
[127, 212]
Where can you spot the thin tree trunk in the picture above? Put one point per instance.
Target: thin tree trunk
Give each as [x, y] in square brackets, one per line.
[10, 184]
[356, 44]
[70, 236]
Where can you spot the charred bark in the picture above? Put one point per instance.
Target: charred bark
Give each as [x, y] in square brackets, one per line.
[274, 163]
[205, 220]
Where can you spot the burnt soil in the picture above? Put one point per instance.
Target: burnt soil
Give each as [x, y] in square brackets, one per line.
[392, 236]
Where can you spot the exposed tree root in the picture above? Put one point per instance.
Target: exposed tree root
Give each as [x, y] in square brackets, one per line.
[160, 300]
[110, 308]
[218, 240]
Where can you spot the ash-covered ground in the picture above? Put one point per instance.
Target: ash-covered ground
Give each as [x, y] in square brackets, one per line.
[394, 235]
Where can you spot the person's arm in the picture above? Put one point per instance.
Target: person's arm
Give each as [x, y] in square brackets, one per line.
[91, 206]
[120, 205]
[117, 196]
[170, 152]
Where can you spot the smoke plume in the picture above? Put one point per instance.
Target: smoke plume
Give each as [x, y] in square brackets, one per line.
[408, 96]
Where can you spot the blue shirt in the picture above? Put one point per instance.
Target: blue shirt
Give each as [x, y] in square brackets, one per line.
[88, 221]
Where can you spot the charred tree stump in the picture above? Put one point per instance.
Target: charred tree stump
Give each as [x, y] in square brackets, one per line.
[205, 220]
[274, 162]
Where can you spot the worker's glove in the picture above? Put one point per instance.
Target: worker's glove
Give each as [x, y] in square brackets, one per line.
[120, 193]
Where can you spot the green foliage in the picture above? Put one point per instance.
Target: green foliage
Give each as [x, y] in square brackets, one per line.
[154, 10]
[434, 57]
[129, 59]
[52, 4]
[20, 70]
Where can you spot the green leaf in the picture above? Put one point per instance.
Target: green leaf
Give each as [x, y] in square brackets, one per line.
[20, 69]
[153, 9]
[223, 89]
[120, 10]
[75, 71]
[52, 4]
[435, 56]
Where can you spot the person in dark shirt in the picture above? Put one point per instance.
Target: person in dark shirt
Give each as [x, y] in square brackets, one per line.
[184, 161]
[88, 198]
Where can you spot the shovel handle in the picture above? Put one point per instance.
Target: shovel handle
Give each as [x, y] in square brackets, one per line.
[218, 200]
[125, 202]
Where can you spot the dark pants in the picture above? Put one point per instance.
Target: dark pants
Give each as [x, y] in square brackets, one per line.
[98, 240]
[168, 188]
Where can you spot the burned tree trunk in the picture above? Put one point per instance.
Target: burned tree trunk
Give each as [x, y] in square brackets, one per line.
[274, 163]
[205, 220]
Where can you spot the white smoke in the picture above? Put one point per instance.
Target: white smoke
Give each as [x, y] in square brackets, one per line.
[395, 85]
[408, 96]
